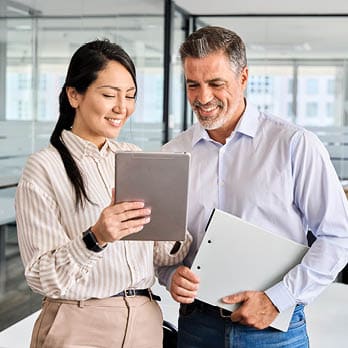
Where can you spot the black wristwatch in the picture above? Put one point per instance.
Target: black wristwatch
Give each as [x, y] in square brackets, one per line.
[91, 242]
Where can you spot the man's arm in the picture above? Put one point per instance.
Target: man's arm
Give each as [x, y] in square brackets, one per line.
[320, 201]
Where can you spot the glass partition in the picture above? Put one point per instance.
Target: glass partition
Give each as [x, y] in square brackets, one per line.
[299, 72]
[36, 53]
[19, 69]
[178, 82]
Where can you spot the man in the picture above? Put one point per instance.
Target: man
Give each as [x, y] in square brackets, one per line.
[265, 170]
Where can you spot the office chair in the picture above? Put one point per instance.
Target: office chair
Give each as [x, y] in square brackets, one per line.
[170, 334]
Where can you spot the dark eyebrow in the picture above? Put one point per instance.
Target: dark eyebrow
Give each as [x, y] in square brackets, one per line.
[218, 79]
[116, 88]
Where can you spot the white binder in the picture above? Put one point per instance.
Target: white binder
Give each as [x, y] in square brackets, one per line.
[236, 256]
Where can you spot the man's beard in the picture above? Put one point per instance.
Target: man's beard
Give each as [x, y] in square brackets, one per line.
[209, 122]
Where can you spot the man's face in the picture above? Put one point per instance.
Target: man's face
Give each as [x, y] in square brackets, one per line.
[215, 91]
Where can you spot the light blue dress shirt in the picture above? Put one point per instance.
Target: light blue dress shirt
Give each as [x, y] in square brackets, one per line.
[278, 176]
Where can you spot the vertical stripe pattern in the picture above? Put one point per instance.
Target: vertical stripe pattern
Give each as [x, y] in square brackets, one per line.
[57, 262]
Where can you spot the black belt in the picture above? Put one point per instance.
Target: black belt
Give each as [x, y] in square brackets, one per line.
[138, 292]
[206, 308]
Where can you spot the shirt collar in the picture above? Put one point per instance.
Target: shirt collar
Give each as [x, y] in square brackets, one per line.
[247, 125]
[249, 122]
[79, 147]
[199, 133]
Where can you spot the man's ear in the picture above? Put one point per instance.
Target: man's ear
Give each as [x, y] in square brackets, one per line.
[244, 77]
[73, 96]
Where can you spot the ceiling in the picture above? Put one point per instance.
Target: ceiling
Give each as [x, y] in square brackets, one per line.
[102, 7]
[277, 37]
[224, 7]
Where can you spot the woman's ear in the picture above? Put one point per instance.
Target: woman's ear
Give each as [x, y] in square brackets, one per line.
[73, 96]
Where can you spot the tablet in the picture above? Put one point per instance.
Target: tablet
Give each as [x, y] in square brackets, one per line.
[160, 179]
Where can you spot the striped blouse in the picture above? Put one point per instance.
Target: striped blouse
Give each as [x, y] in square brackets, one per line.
[57, 262]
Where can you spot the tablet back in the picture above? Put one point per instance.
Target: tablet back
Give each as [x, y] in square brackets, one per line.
[160, 179]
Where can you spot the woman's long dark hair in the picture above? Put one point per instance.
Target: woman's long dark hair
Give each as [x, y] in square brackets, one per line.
[83, 70]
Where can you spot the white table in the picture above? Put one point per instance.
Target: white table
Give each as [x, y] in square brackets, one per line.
[327, 318]
[19, 334]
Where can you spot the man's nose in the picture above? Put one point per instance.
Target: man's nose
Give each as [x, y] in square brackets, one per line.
[205, 95]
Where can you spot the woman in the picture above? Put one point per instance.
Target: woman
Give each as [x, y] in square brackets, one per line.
[96, 288]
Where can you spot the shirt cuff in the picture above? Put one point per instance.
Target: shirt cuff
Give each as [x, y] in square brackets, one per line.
[280, 297]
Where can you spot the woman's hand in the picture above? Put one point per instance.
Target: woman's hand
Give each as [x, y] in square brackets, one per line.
[119, 220]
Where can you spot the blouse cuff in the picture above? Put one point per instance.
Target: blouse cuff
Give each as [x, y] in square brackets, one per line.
[81, 255]
[167, 253]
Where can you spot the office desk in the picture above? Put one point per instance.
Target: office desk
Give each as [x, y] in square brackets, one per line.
[19, 334]
[327, 318]
[7, 181]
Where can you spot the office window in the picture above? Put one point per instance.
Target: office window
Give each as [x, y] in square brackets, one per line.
[19, 69]
[328, 78]
[311, 109]
[43, 83]
[23, 82]
[312, 86]
[135, 35]
[331, 86]
[290, 112]
[290, 85]
[42, 109]
[330, 110]
[268, 88]
[20, 109]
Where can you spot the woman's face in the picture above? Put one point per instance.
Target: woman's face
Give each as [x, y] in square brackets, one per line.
[106, 105]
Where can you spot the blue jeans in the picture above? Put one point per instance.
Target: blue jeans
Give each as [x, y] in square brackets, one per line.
[199, 328]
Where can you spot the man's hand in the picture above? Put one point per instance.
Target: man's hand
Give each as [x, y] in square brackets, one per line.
[184, 285]
[256, 309]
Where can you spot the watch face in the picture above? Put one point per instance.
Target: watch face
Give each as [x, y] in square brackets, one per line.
[91, 241]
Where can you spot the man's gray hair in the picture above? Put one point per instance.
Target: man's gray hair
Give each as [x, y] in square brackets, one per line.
[212, 39]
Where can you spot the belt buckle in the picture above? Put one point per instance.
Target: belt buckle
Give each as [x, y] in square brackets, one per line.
[129, 292]
[222, 313]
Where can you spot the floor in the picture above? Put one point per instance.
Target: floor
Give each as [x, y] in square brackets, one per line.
[17, 301]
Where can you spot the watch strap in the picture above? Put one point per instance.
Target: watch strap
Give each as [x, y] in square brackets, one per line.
[91, 241]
